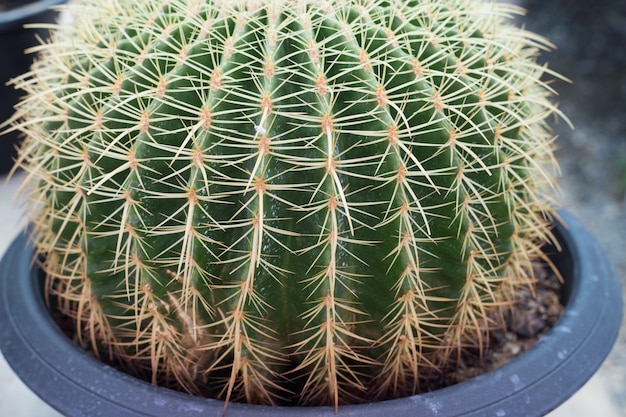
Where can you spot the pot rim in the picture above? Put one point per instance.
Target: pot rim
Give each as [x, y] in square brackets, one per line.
[534, 383]
[13, 18]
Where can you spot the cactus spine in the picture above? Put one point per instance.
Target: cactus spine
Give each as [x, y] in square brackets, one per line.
[317, 202]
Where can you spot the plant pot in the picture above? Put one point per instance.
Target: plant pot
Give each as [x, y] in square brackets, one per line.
[536, 382]
[14, 40]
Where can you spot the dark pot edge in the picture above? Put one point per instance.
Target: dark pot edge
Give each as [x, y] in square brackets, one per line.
[12, 19]
[560, 363]
[17, 39]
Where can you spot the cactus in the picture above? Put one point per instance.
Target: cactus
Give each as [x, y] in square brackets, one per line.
[290, 201]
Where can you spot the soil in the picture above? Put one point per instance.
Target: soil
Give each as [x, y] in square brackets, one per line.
[530, 317]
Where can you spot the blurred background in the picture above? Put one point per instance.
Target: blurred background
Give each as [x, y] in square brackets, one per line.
[590, 50]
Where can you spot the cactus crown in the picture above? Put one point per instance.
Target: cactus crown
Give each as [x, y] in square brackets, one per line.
[317, 202]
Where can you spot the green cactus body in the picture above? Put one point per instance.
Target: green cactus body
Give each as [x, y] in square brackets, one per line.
[317, 202]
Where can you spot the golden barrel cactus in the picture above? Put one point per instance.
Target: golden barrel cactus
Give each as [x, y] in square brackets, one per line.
[287, 201]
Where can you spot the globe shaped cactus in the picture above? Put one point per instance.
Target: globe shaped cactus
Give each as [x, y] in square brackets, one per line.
[287, 201]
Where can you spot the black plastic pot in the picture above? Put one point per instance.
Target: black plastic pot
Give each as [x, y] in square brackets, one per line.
[532, 385]
[14, 40]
